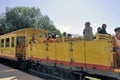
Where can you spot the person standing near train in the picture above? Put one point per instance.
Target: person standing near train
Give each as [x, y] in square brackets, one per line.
[87, 32]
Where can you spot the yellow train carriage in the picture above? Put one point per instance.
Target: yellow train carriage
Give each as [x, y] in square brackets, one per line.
[14, 45]
[7, 46]
[94, 56]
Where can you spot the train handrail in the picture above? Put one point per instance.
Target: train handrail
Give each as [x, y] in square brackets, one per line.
[103, 37]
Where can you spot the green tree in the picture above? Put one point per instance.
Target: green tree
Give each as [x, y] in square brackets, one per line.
[22, 17]
[3, 26]
[25, 17]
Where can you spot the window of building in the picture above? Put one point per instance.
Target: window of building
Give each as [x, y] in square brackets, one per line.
[2, 43]
[7, 42]
[12, 41]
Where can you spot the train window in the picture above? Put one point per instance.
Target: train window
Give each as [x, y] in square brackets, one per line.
[7, 42]
[20, 40]
[12, 42]
[2, 43]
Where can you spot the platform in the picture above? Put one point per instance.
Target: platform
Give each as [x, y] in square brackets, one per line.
[8, 73]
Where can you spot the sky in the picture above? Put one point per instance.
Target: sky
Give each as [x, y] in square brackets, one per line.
[71, 15]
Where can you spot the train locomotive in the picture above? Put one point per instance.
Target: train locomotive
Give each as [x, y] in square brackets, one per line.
[70, 58]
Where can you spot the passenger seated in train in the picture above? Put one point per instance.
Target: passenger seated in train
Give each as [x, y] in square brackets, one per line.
[69, 36]
[53, 35]
[33, 40]
[52, 38]
[103, 29]
[99, 29]
[57, 38]
[49, 37]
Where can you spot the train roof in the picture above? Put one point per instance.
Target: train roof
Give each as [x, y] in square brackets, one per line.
[26, 32]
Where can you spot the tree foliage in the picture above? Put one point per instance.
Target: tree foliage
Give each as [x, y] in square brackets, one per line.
[25, 17]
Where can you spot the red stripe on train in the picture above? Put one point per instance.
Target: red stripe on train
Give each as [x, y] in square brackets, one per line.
[76, 64]
[8, 56]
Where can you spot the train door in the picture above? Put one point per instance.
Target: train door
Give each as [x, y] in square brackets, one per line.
[20, 48]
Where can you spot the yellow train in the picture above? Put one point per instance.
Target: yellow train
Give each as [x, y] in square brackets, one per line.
[70, 55]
